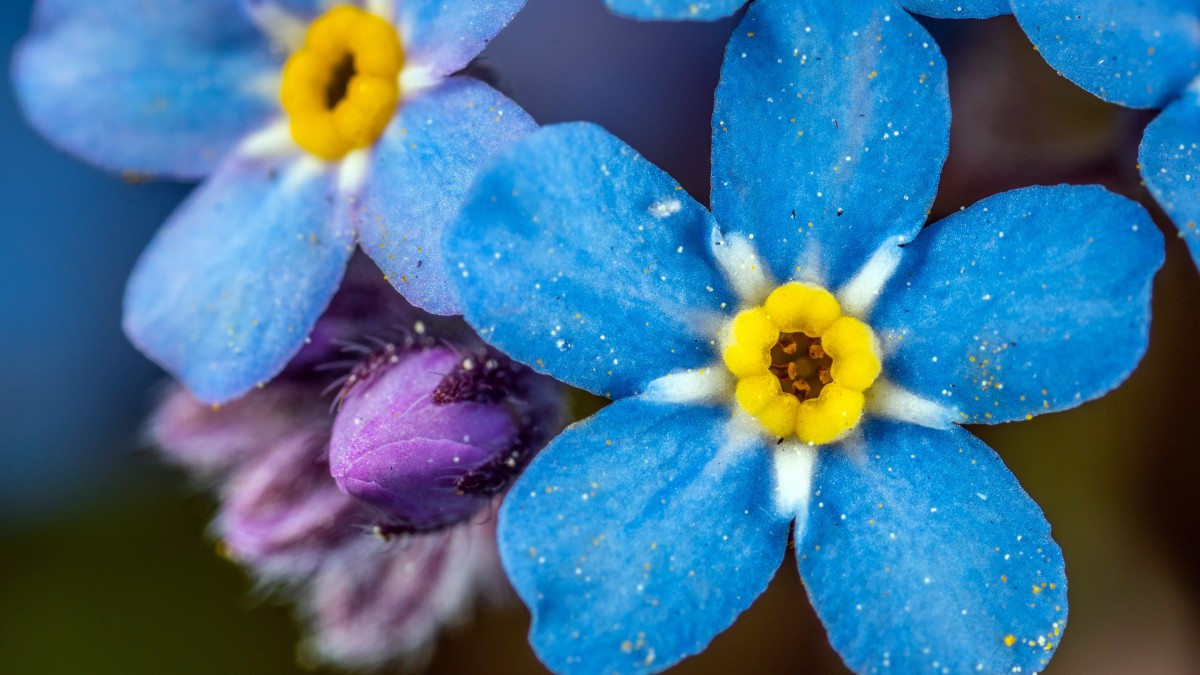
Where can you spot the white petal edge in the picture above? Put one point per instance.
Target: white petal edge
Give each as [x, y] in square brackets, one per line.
[273, 141]
[285, 30]
[738, 260]
[710, 384]
[885, 399]
[384, 9]
[353, 171]
[858, 296]
[795, 466]
[415, 78]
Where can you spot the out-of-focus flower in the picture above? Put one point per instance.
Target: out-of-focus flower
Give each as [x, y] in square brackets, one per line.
[318, 126]
[1140, 55]
[366, 608]
[752, 400]
[376, 578]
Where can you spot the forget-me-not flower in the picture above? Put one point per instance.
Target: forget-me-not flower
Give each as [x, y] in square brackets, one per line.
[1141, 55]
[708, 10]
[696, 10]
[319, 123]
[798, 359]
[958, 9]
[429, 429]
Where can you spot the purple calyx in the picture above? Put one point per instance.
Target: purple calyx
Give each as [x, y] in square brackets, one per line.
[429, 434]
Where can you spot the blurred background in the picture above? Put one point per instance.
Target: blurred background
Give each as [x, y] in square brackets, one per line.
[104, 562]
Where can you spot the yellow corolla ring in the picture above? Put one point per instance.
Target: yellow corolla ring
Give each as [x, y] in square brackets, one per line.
[802, 366]
[341, 88]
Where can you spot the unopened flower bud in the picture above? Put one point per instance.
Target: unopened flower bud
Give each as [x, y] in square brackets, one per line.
[429, 436]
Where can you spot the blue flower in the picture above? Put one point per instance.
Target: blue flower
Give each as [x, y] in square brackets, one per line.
[696, 10]
[709, 10]
[958, 9]
[429, 429]
[365, 134]
[1141, 55]
[642, 532]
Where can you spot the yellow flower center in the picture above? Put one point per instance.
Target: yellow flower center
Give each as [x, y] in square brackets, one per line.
[802, 366]
[341, 88]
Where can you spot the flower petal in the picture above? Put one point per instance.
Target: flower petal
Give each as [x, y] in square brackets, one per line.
[419, 174]
[832, 122]
[958, 9]
[635, 537]
[231, 286]
[694, 10]
[1170, 162]
[1031, 301]
[577, 256]
[146, 86]
[445, 36]
[302, 10]
[925, 554]
[1132, 52]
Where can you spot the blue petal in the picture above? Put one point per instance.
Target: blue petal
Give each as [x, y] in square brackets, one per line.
[831, 126]
[577, 256]
[1170, 164]
[695, 10]
[958, 9]
[1132, 52]
[420, 171]
[230, 287]
[635, 539]
[925, 555]
[304, 10]
[1030, 301]
[146, 86]
[445, 36]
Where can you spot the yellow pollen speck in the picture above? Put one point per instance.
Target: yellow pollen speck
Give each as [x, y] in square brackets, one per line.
[1010, 640]
[341, 88]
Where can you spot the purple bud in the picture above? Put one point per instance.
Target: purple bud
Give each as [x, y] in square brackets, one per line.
[426, 436]
[430, 436]
[281, 513]
[376, 602]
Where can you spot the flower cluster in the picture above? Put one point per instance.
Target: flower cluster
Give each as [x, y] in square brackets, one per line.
[793, 363]
[427, 430]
